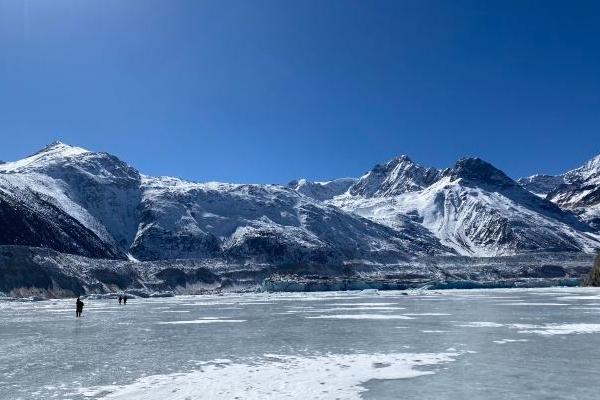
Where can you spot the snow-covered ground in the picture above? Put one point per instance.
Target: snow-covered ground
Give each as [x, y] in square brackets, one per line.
[481, 344]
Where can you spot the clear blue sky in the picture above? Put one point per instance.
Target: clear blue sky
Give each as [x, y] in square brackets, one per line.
[267, 91]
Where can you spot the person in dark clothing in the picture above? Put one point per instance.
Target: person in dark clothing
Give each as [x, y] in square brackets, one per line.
[124, 299]
[78, 308]
[120, 299]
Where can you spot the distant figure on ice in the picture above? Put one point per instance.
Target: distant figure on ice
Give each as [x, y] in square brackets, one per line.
[78, 308]
[120, 299]
[124, 299]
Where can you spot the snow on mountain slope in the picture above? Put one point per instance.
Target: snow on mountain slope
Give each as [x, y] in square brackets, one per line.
[577, 190]
[53, 154]
[33, 218]
[266, 223]
[31, 188]
[477, 210]
[541, 185]
[97, 189]
[322, 190]
[581, 192]
[588, 174]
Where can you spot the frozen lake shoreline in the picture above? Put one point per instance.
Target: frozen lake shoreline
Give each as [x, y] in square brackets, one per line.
[430, 345]
[307, 285]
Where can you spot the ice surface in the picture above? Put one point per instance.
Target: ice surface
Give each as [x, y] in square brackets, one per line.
[457, 346]
[427, 314]
[359, 316]
[578, 298]
[563, 329]
[375, 308]
[482, 324]
[365, 304]
[504, 341]
[532, 304]
[545, 329]
[207, 320]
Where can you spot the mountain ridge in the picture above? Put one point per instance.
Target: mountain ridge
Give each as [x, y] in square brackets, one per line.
[158, 218]
[397, 210]
[78, 221]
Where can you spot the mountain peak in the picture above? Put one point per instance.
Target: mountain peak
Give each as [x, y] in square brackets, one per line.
[48, 155]
[587, 174]
[592, 167]
[399, 175]
[58, 146]
[594, 161]
[57, 143]
[403, 158]
[476, 170]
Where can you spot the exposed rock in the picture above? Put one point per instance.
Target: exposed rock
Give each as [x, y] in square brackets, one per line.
[593, 278]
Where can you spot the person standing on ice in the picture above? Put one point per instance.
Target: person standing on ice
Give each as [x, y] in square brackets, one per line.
[124, 300]
[78, 308]
[120, 299]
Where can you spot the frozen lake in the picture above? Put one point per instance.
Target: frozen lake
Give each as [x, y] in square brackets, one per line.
[476, 344]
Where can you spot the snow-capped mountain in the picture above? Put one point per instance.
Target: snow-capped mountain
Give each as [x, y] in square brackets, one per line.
[577, 190]
[72, 218]
[96, 190]
[91, 203]
[168, 218]
[104, 186]
[472, 207]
